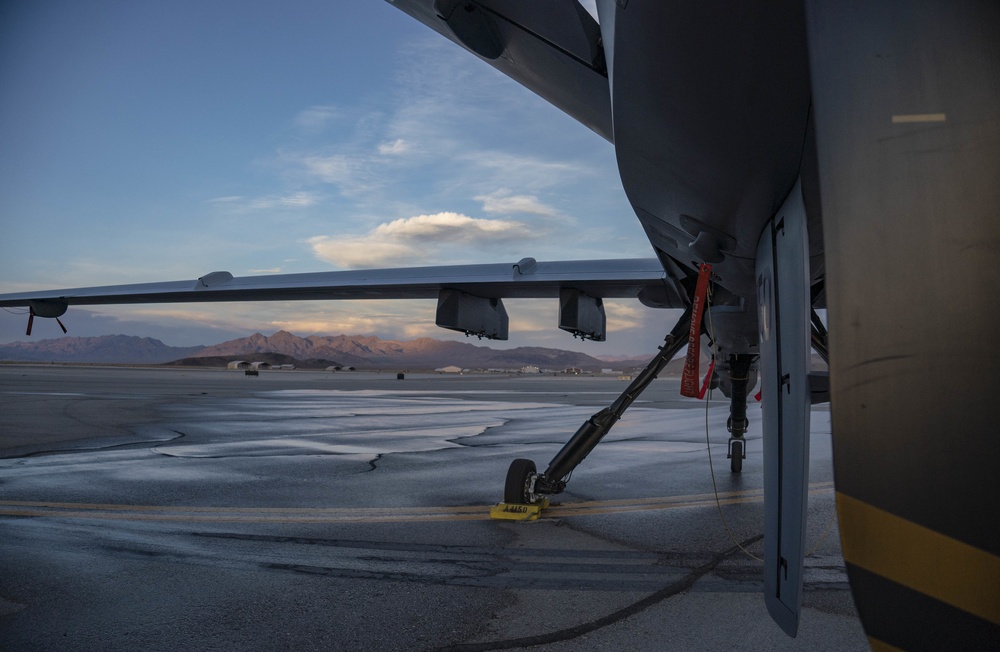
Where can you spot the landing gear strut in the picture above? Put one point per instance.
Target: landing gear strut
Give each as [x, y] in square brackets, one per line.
[740, 369]
[525, 486]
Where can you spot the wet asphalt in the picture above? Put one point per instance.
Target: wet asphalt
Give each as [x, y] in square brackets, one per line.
[179, 509]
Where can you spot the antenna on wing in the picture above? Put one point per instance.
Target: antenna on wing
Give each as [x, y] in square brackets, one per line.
[46, 308]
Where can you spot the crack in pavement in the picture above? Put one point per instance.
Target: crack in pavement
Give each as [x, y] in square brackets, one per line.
[579, 630]
[372, 463]
[93, 449]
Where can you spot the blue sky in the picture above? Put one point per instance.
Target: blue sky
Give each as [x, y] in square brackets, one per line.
[161, 141]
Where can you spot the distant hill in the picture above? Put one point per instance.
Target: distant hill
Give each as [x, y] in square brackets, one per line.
[626, 360]
[218, 361]
[122, 349]
[321, 351]
[315, 351]
[369, 352]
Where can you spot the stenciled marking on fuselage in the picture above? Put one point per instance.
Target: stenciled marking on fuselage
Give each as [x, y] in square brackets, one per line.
[169, 513]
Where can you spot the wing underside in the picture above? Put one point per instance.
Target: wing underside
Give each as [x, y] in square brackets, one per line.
[628, 278]
[469, 296]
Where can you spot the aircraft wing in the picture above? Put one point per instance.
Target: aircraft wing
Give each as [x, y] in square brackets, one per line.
[553, 48]
[469, 296]
[641, 278]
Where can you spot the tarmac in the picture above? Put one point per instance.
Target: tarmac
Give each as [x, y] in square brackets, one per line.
[194, 509]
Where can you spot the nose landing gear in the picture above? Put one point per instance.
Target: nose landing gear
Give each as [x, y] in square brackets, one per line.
[736, 454]
[520, 485]
[738, 385]
[525, 486]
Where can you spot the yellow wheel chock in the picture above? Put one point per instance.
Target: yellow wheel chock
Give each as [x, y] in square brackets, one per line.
[518, 512]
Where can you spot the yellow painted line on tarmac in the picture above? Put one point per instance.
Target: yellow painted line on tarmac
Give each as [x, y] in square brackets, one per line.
[919, 558]
[572, 510]
[881, 646]
[670, 502]
[911, 118]
[175, 513]
[231, 517]
[253, 510]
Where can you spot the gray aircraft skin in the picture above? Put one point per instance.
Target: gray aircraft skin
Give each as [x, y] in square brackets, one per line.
[831, 154]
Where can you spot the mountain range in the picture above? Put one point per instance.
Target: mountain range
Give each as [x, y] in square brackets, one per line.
[362, 352]
[369, 352]
[123, 349]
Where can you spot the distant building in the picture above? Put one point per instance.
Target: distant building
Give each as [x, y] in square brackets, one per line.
[260, 365]
[285, 366]
[573, 370]
[238, 364]
[530, 369]
[334, 368]
[450, 369]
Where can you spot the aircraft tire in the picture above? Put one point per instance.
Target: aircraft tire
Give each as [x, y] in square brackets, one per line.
[736, 459]
[516, 488]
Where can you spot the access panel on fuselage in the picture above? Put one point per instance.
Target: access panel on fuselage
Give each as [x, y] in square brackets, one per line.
[783, 302]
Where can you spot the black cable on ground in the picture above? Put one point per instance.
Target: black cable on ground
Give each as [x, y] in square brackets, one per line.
[579, 630]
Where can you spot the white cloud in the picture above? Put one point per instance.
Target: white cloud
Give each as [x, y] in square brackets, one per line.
[415, 239]
[292, 200]
[299, 199]
[364, 251]
[386, 319]
[502, 201]
[315, 118]
[336, 169]
[625, 315]
[428, 146]
[352, 174]
[522, 171]
[273, 270]
[398, 146]
[452, 227]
